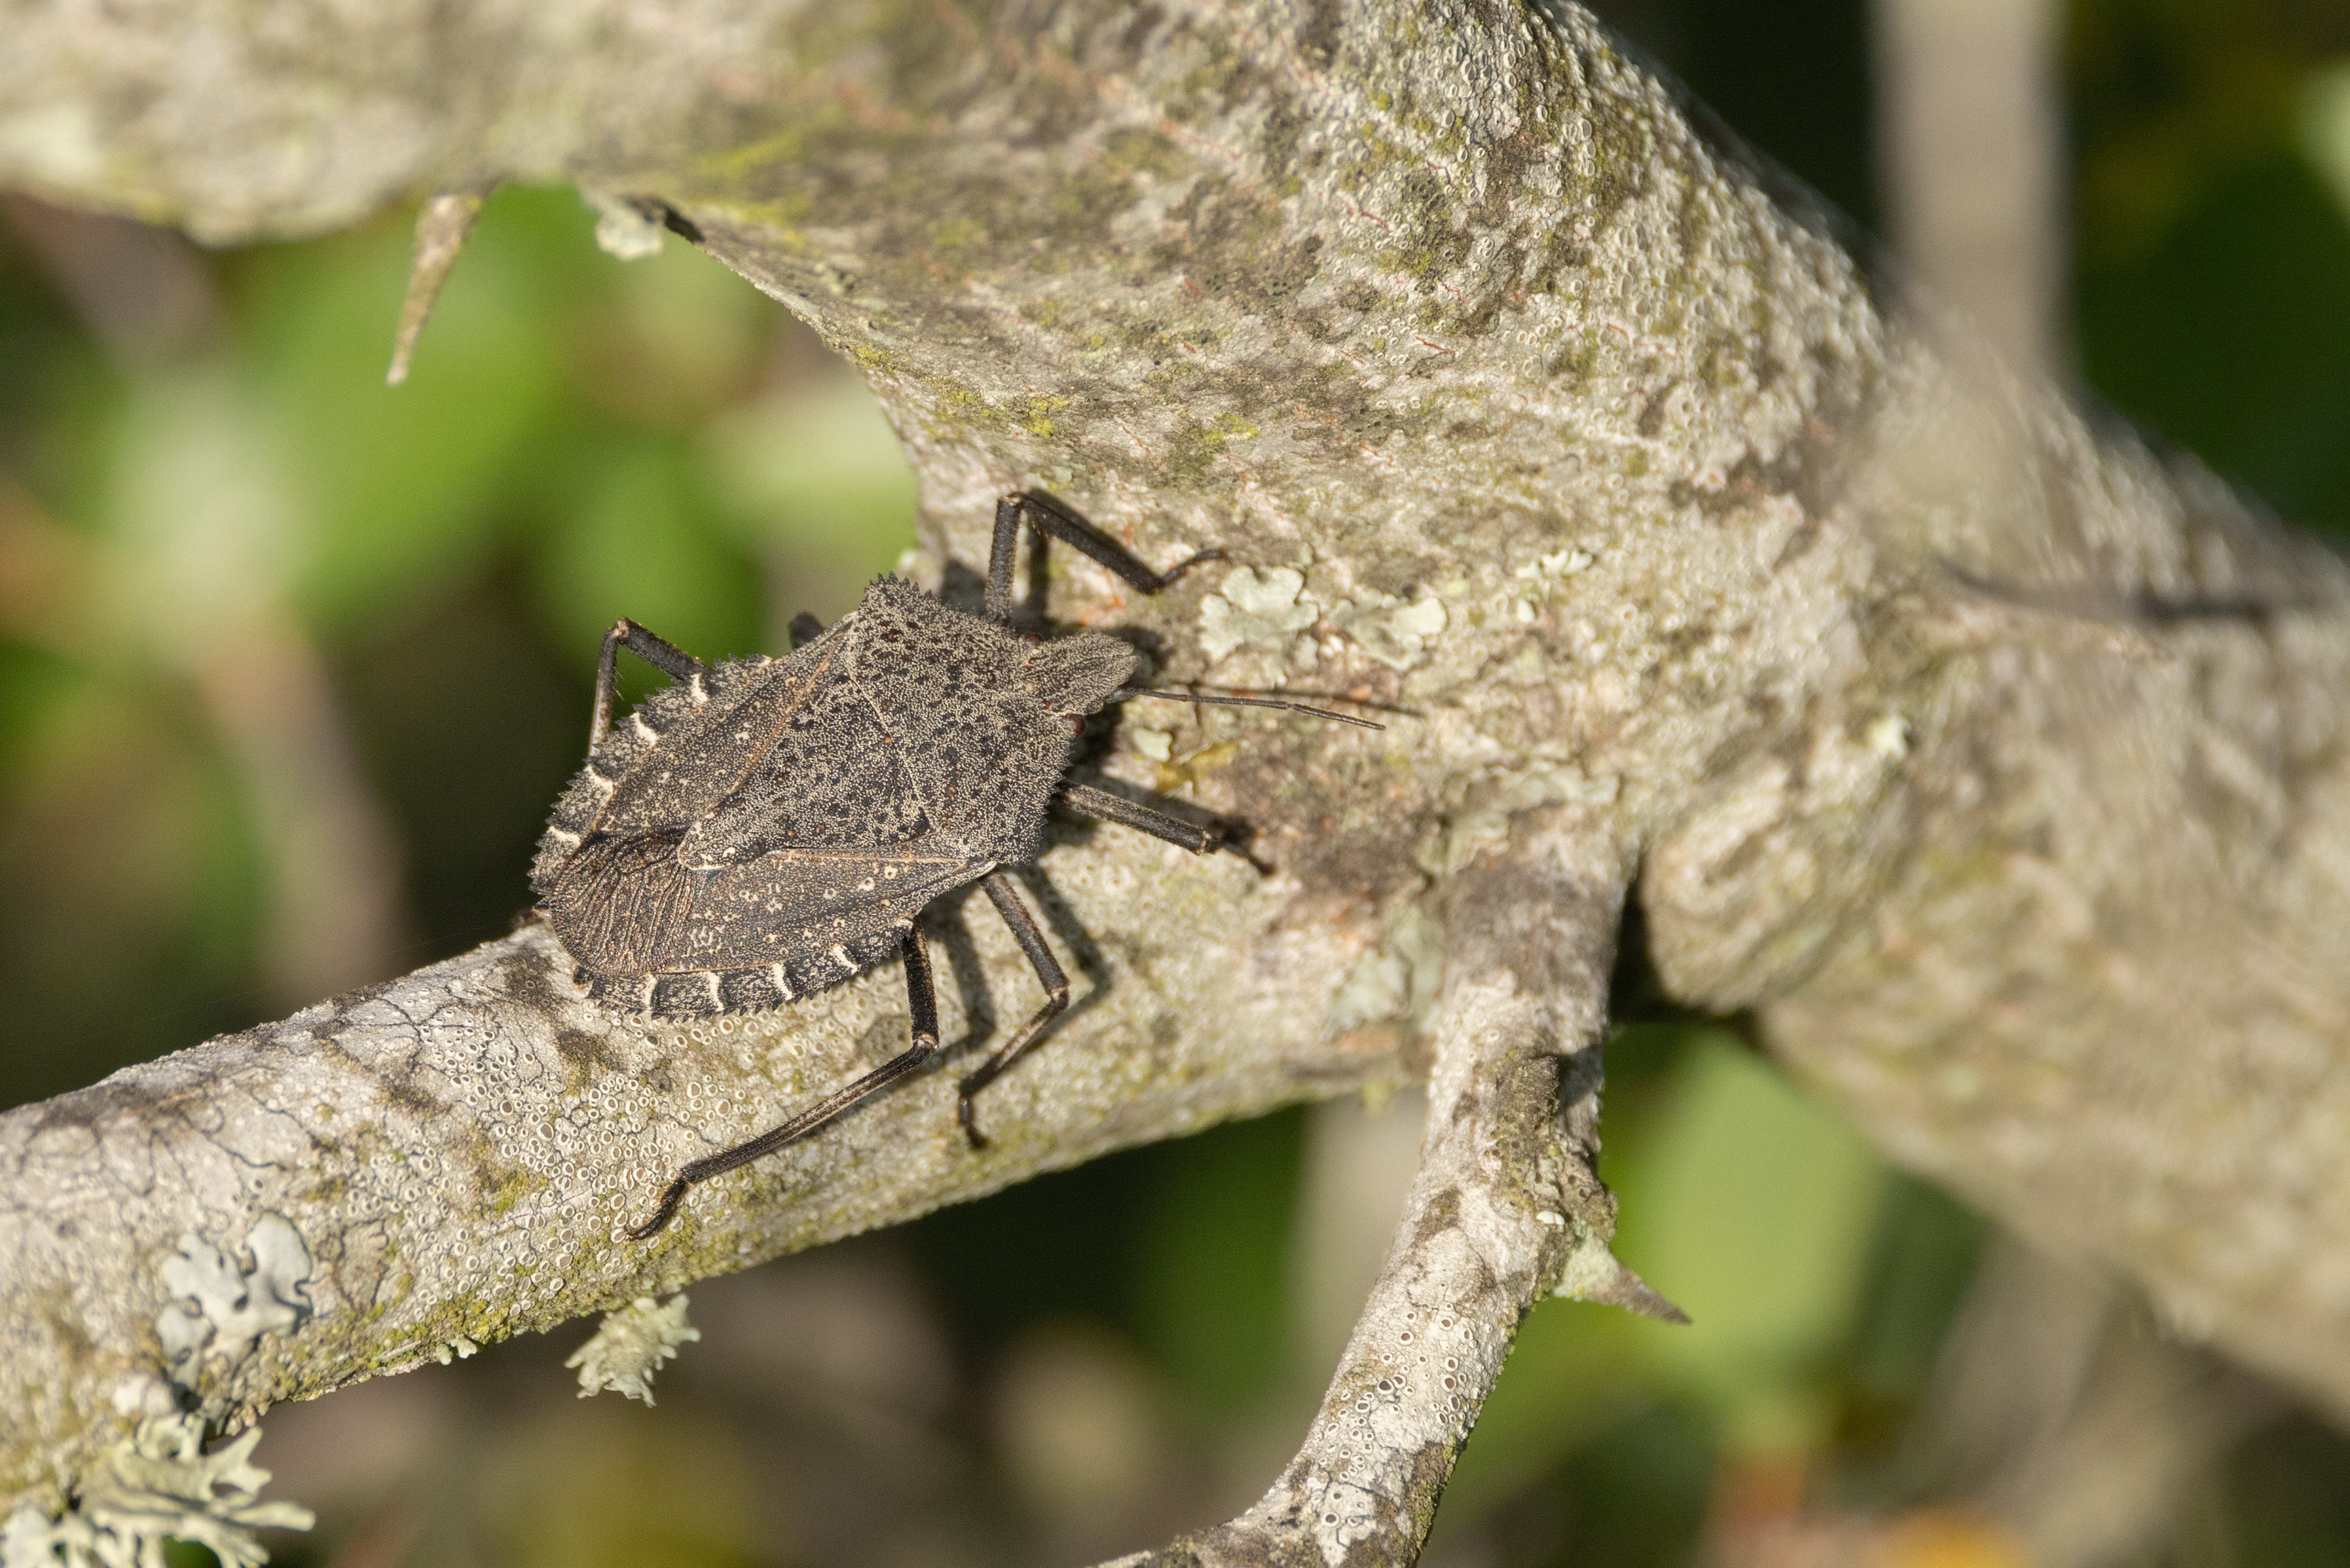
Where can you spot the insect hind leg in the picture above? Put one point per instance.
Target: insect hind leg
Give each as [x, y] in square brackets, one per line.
[1005, 896]
[922, 1001]
[1050, 519]
[661, 654]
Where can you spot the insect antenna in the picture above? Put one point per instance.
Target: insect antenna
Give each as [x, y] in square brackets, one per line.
[1125, 691]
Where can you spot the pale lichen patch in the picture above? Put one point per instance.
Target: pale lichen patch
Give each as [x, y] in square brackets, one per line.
[156, 1485]
[623, 230]
[1566, 563]
[1378, 987]
[1889, 736]
[141, 1394]
[220, 1305]
[1397, 635]
[630, 1344]
[1258, 610]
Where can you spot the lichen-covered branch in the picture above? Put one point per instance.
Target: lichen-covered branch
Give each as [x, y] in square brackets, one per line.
[1506, 1207]
[454, 1158]
[2001, 767]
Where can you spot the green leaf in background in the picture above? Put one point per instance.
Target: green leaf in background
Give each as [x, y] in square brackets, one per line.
[1212, 1270]
[402, 485]
[1927, 1248]
[38, 687]
[1752, 1209]
[2231, 336]
[815, 468]
[2212, 272]
[133, 887]
[814, 480]
[638, 539]
[674, 339]
[207, 531]
[1747, 1206]
[608, 1484]
[2166, 98]
[58, 401]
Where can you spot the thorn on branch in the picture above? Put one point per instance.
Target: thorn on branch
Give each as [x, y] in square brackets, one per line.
[1594, 1273]
[443, 226]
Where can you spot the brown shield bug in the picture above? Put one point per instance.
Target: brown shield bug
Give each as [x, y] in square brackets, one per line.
[762, 828]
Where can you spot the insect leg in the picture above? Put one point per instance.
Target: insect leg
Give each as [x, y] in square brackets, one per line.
[998, 605]
[662, 655]
[1005, 896]
[1103, 807]
[922, 1001]
[1049, 518]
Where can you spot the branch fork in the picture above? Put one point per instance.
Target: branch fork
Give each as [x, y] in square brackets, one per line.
[1506, 1208]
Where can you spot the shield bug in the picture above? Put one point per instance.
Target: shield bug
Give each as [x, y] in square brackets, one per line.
[762, 828]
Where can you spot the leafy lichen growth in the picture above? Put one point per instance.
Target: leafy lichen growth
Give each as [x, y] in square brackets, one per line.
[1256, 609]
[1397, 635]
[219, 1306]
[157, 1485]
[629, 1346]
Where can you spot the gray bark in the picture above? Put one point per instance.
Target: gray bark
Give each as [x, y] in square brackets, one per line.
[1998, 764]
[1506, 1207]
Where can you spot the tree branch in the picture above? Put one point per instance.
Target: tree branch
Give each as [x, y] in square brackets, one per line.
[457, 1155]
[1506, 1207]
[2001, 765]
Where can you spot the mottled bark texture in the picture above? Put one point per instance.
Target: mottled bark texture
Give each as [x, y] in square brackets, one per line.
[1998, 764]
[1506, 1208]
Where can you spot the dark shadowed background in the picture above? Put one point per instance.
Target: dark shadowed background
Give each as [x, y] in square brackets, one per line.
[291, 665]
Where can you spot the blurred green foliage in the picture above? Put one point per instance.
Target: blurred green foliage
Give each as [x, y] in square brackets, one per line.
[2213, 234]
[229, 494]
[580, 440]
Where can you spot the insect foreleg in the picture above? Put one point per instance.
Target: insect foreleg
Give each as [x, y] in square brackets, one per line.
[922, 1001]
[1005, 896]
[1048, 517]
[662, 655]
[1103, 807]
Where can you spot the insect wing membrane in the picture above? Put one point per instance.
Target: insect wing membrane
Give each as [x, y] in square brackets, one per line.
[619, 901]
[794, 907]
[652, 933]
